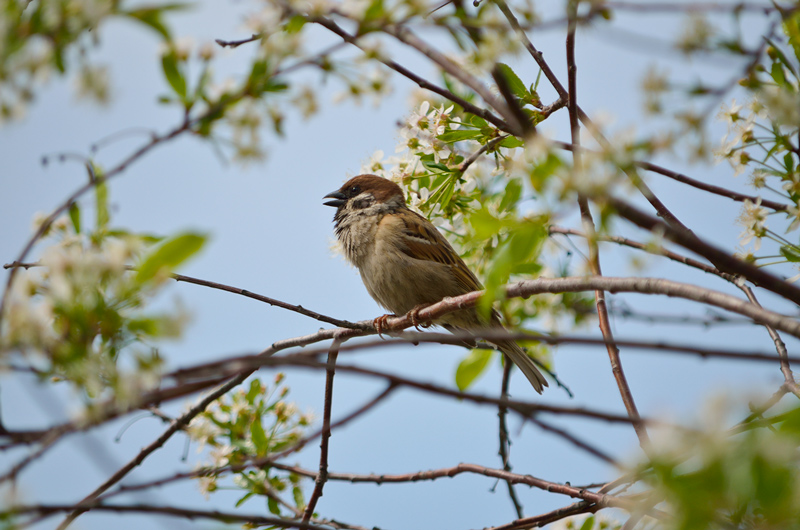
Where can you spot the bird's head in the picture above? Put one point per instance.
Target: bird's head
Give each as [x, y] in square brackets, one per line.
[366, 191]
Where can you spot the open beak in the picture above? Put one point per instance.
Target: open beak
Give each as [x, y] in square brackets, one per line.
[338, 197]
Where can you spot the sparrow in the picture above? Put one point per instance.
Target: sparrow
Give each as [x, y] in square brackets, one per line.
[406, 263]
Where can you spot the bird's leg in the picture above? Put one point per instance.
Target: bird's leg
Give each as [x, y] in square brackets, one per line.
[379, 323]
[414, 316]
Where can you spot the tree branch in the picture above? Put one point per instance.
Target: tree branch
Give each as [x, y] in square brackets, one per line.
[322, 476]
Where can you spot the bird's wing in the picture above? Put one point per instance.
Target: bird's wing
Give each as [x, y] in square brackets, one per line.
[424, 242]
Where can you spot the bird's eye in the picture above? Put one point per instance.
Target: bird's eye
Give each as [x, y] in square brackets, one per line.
[355, 190]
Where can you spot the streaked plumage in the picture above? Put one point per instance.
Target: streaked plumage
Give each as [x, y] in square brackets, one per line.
[405, 262]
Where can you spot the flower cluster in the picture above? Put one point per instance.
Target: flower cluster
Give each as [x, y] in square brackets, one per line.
[244, 426]
[80, 316]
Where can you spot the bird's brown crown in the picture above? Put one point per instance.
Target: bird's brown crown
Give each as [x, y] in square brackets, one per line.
[381, 189]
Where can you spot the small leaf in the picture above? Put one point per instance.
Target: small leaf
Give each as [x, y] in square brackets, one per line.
[295, 24]
[485, 224]
[540, 173]
[374, 11]
[456, 136]
[243, 499]
[511, 142]
[788, 161]
[778, 74]
[169, 255]
[471, 367]
[101, 204]
[75, 216]
[791, 253]
[173, 74]
[260, 439]
[299, 499]
[514, 83]
[272, 504]
[776, 50]
[588, 523]
[511, 196]
[253, 391]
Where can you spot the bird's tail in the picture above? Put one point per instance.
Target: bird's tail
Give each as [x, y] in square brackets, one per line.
[518, 356]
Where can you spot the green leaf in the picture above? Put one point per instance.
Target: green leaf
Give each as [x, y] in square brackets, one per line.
[253, 391]
[243, 499]
[257, 73]
[456, 136]
[588, 523]
[477, 121]
[788, 161]
[272, 504]
[791, 26]
[299, 499]
[512, 142]
[151, 17]
[485, 224]
[514, 82]
[173, 74]
[471, 367]
[260, 439]
[775, 52]
[511, 196]
[101, 204]
[778, 74]
[295, 24]
[75, 216]
[374, 11]
[791, 253]
[169, 255]
[540, 173]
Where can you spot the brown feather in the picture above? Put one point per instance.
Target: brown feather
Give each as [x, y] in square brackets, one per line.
[405, 262]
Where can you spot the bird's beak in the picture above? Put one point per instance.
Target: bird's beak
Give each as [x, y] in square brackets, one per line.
[338, 197]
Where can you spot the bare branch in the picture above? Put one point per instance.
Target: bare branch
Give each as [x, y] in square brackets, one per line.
[420, 81]
[594, 252]
[550, 517]
[505, 442]
[789, 381]
[601, 499]
[322, 477]
[716, 190]
[720, 258]
[237, 43]
[186, 513]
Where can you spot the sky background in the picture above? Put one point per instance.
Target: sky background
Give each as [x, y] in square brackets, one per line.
[271, 234]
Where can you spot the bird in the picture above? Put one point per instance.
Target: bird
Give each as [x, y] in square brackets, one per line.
[406, 263]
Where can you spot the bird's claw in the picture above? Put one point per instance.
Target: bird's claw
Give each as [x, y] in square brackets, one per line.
[414, 316]
[379, 324]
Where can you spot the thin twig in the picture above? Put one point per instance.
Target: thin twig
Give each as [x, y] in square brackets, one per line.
[538, 521]
[243, 292]
[721, 259]
[658, 251]
[464, 468]
[505, 442]
[177, 424]
[789, 381]
[594, 254]
[237, 43]
[271, 301]
[265, 461]
[420, 81]
[488, 146]
[716, 190]
[322, 477]
[173, 511]
[577, 442]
